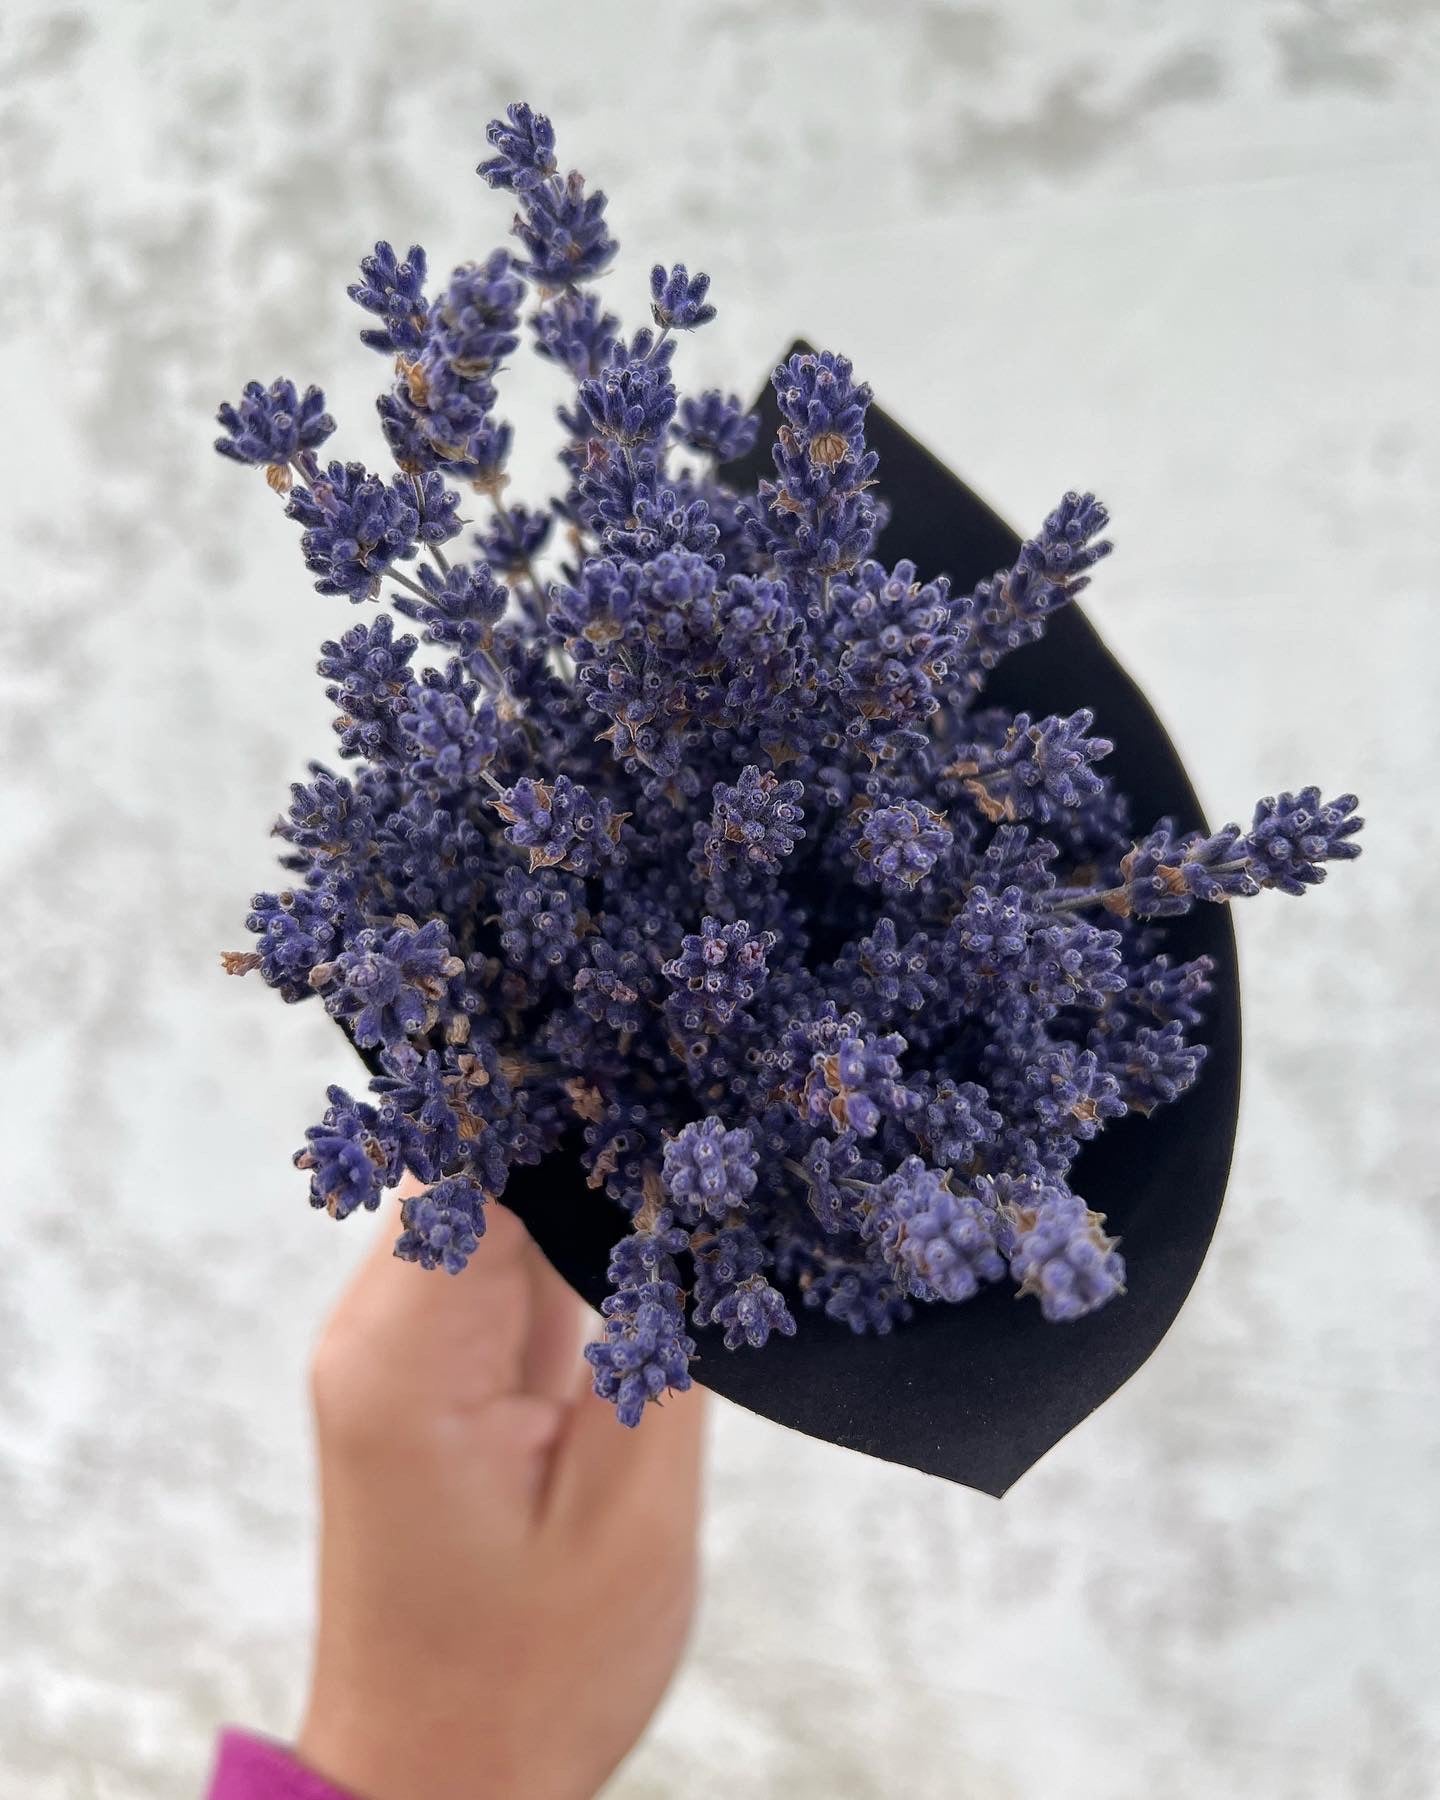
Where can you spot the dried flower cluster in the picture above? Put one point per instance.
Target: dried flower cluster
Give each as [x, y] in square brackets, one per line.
[680, 833]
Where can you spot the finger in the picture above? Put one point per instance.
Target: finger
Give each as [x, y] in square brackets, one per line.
[599, 1463]
[425, 1339]
[558, 1325]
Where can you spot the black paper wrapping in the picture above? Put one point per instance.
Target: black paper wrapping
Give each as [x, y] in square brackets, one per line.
[978, 1392]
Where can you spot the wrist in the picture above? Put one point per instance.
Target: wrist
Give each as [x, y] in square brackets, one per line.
[374, 1755]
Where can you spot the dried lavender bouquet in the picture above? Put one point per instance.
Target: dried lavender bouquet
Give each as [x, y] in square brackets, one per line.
[682, 838]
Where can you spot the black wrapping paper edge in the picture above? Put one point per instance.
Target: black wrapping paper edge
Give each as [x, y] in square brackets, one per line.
[977, 1393]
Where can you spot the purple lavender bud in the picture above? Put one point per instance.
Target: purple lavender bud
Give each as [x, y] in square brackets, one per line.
[394, 292]
[437, 508]
[1076, 963]
[662, 523]
[723, 1259]
[717, 425]
[958, 1124]
[717, 974]
[457, 425]
[754, 824]
[443, 1226]
[835, 1173]
[748, 1313]
[941, 1245]
[763, 640]
[513, 538]
[994, 928]
[858, 1295]
[297, 929]
[561, 227]
[462, 608]
[356, 526]
[1290, 837]
[1071, 1092]
[328, 819]
[273, 426]
[1171, 991]
[843, 1079]
[645, 1352]
[731, 1291]
[423, 1100]
[614, 983]
[1012, 607]
[1039, 771]
[476, 323]
[1162, 875]
[1150, 1065]
[388, 983]
[886, 980]
[349, 1158]
[453, 744]
[368, 656]
[561, 824]
[677, 298]
[1015, 856]
[405, 430]
[438, 859]
[574, 330]
[893, 644]
[1058, 1250]
[368, 669]
[631, 404]
[709, 1169]
[542, 921]
[899, 845]
[819, 399]
[524, 145]
[604, 604]
[441, 411]
[818, 519]
[646, 1255]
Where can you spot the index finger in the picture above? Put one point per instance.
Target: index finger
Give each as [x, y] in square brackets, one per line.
[425, 1340]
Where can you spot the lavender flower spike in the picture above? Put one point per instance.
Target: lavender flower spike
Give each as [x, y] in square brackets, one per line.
[941, 1245]
[356, 528]
[393, 291]
[561, 227]
[389, 985]
[1058, 1250]
[1292, 836]
[677, 298]
[560, 824]
[645, 1350]
[754, 824]
[709, 1169]
[348, 1157]
[272, 427]
[899, 845]
[1039, 771]
[443, 1226]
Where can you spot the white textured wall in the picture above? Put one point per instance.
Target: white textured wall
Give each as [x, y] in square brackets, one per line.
[1184, 254]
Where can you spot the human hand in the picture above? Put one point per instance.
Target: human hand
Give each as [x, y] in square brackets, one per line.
[507, 1575]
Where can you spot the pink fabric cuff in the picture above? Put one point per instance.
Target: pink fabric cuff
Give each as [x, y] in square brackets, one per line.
[252, 1768]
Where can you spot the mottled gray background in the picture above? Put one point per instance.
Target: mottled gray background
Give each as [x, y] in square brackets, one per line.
[1181, 253]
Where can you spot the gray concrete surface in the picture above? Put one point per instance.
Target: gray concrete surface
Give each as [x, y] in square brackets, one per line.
[1183, 255]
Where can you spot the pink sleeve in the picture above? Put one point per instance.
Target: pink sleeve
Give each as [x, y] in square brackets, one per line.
[252, 1768]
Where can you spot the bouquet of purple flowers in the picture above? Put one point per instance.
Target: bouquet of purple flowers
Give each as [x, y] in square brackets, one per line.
[681, 837]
